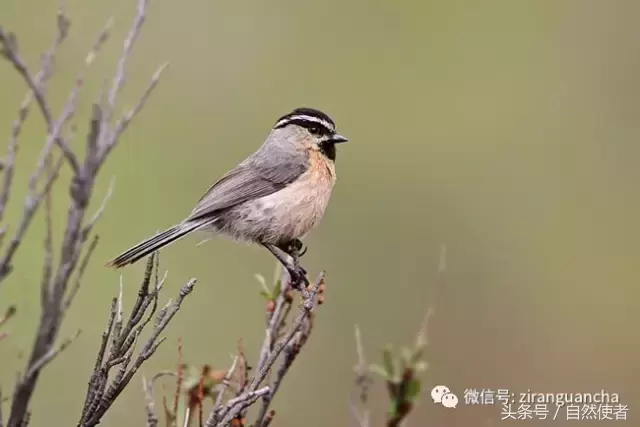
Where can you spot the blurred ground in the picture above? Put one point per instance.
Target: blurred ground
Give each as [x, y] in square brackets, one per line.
[506, 130]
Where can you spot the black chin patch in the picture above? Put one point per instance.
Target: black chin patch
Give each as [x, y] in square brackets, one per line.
[328, 149]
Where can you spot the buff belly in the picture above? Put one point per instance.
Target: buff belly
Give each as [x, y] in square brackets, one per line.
[283, 216]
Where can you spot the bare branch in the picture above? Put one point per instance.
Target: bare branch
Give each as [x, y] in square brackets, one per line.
[83, 266]
[119, 79]
[296, 332]
[243, 401]
[47, 262]
[276, 318]
[55, 281]
[123, 123]
[9, 162]
[49, 356]
[268, 419]
[96, 385]
[101, 394]
[150, 405]
[3, 233]
[55, 130]
[224, 386]
[30, 206]
[360, 394]
[8, 314]
[103, 205]
[10, 52]
[107, 137]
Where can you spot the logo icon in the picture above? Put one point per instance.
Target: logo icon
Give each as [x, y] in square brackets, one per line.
[442, 395]
[449, 400]
[439, 391]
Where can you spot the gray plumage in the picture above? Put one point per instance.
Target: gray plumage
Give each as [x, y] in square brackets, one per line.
[276, 195]
[277, 163]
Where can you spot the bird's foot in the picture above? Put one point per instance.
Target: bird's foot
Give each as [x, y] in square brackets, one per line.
[297, 274]
[298, 277]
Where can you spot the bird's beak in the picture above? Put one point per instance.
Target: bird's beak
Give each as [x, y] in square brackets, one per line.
[337, 139]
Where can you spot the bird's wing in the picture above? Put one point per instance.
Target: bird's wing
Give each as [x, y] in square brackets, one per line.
[257, 177]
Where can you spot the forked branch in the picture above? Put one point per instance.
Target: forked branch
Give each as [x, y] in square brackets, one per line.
[58, 285]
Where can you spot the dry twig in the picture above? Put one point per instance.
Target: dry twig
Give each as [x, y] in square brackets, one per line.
[289, 345]
[363, 380]
[56, 292]
[101, 392]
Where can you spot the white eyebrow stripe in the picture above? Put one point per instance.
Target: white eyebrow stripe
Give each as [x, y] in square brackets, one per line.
[324, 123]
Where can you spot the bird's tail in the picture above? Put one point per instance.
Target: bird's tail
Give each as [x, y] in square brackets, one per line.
[154, 243]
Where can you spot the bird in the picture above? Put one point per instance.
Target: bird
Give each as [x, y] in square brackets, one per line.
[273, 198]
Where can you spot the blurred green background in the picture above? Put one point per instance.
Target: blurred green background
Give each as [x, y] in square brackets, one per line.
[507, 131]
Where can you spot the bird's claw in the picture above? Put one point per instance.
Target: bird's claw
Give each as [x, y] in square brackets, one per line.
[298, 277]
[297, 274]
[303, 251]
[297, 248]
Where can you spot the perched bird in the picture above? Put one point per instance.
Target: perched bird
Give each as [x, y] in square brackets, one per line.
[273, 198]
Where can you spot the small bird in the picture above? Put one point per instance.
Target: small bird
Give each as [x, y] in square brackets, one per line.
[273, 198]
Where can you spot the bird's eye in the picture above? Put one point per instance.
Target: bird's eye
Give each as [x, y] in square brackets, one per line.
[315, 130]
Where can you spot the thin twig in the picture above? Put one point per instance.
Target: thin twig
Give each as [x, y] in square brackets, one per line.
[237, 405]
[305, 311]
[55, 129]
[10, 52]
[103, 205]
[104, 396]
[47, 269]
[119, 79]
[242, 401]
[83, 265]
[360, 394]
[56, 281]
[211, 419]
[38, 365]
[30, 206]
[107, 138]
[152, 419]
[276, 318]
[122, 124]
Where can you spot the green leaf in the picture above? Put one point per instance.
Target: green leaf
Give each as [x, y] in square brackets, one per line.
[393, 407]
[277, 289]
[266, 295]
[413, 389]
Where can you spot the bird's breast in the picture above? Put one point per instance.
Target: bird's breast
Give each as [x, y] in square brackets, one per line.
[299, 207]
[287, 214]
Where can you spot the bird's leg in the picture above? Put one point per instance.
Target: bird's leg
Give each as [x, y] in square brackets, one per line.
[298, 274]
[296, 249]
